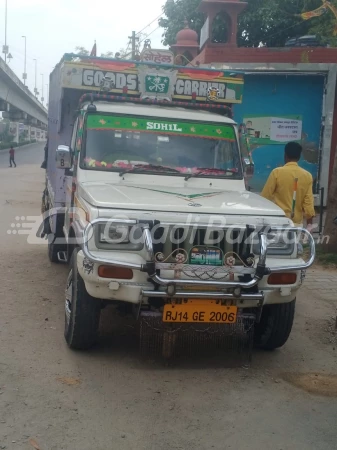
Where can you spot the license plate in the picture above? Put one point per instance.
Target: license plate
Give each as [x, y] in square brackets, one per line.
[199, 312]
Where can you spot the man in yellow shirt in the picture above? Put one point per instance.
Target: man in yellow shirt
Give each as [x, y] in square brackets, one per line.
[290, 187]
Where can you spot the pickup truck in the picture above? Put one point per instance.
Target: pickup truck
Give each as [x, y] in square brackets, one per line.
[145, 199]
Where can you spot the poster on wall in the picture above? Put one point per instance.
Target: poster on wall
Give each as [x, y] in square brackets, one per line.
[271, 130]
[285, 130]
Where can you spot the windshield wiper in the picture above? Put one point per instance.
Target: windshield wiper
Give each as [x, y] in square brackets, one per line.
[146, 167]
[209, 171]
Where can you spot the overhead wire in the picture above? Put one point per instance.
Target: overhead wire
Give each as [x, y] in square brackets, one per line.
[283, 30]
[139, 32]
[153, 31]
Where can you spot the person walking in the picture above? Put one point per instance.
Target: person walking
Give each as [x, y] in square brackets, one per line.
[290, 187]
[12, 157]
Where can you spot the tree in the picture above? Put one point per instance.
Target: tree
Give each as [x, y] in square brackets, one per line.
[324, 27]
[5, 135]
[272, 22]
[176, 13]
[107, 55]
[121, 54]
[82, 51]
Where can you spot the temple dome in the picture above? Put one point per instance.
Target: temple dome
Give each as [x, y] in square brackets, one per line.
[187, 37]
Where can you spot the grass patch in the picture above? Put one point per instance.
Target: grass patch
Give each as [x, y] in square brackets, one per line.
[326, 259]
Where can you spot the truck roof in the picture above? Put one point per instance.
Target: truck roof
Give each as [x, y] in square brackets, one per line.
[160, 111]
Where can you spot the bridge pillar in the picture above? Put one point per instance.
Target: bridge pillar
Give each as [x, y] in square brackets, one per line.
[32, 133]
[14, 131]
[3, 105]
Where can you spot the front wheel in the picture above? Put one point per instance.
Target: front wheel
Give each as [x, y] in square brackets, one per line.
[82, 312]
[275, 326]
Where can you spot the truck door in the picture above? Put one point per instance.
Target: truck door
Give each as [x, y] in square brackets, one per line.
[69, 182]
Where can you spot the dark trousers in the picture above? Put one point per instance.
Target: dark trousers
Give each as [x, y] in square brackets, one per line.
[11, 160]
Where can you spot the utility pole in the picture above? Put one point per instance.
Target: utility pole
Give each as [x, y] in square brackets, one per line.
[5, 47]
[133, 45]
[35, 89]
[47, 94]
[24, 76]
[42, 98]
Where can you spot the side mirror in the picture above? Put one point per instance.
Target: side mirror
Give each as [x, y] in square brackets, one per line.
[249, 167]
[63, 157]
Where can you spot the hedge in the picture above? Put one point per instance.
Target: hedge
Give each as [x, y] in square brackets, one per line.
[5, 145]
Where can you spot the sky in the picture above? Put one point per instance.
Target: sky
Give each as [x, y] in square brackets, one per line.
[55, 27]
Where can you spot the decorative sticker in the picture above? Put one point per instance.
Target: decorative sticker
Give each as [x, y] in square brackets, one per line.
[141, 124]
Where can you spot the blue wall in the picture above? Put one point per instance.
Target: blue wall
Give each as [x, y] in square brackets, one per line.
[277, 96]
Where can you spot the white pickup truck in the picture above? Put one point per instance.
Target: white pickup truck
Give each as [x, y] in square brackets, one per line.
[145, 199]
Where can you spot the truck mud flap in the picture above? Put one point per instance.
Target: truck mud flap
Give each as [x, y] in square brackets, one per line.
[231, 344]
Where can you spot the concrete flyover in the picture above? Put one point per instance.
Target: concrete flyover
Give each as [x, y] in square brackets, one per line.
[17, 102]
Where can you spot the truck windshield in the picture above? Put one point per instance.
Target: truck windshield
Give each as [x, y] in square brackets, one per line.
[123, 143]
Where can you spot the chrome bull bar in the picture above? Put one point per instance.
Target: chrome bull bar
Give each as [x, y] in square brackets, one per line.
[150, 266]
[254, 297]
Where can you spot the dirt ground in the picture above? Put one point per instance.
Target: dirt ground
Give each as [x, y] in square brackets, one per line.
[52, 398]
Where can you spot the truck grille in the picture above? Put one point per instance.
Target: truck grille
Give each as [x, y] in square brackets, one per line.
[228, 241]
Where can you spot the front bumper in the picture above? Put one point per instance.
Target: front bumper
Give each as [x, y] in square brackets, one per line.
[148, 283]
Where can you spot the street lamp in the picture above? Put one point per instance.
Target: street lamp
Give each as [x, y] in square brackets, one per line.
[47, 93]
[42, 98]
[24, 76]
[5, 48]
[35, 89]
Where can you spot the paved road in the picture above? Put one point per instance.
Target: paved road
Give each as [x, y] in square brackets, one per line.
[109, 399]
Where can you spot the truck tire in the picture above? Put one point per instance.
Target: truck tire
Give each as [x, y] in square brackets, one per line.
[82, 312]
[275, 326]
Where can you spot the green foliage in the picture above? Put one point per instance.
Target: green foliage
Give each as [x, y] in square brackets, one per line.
[5, 136]
[272, 22]
[107, 55]
[324, 26]
[326, 259]
[176, 13]
[7, 145]
[4, 145]
[82, 51]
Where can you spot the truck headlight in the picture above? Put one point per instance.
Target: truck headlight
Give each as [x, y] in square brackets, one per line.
[114, 234]
[279, 243]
